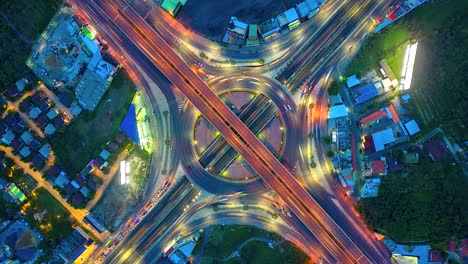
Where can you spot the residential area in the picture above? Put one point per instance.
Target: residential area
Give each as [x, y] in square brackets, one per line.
[48, 189]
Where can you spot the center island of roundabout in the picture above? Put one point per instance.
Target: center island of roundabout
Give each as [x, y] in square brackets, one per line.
[265, 106]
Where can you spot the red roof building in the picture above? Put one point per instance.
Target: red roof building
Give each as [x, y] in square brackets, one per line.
[435, 256]
[368, 143]
[452, 246]
[378, 167]
[395, 116]
[372, 117]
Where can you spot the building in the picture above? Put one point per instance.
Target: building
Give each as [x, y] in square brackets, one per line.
[307, 9]
[352, 81]
[237, 28]
[253, 35]
[289, 19]
[173, 7]
[379, 167]
[269, 29]
[375, 116]
[94, 82]
[50, 129]
[377, 141]
[412, 127]
[69, 249]
[337, 111]
[436, 149]
[365, 93]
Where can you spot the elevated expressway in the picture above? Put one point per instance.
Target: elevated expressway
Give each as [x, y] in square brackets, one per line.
[314, 218]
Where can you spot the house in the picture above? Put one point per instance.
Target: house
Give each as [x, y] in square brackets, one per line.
[43, 105]
[436, 149]
[36, 99]
[8, 137]
[393, 165]
[50, 129]
[18, 128]
[77, 198]
[25, 152]
[452, 246]
[21, 84]
[61, 180]
[59, 123]
[26, 105]
[104, 154]
[92, 184]
[34, 112]
[10, 119]
[3, 128]
[98, 162]
[53, 172]
[17, 144]
[76, 109]
[462, 249]
[69, 189]
[119, 138]
[85, 191]
[34, 145]
[379, 167]
[42, 121]
[75, 184]
[435, 257]
[27, 137]
[65, 99]
[112, 146]
[37, 160]
[52, 113]
[12, 92]
[45, 151]
[80, 179]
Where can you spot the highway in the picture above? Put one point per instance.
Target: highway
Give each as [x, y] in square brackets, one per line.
[155, 223]
[260, 159]
[236, 133]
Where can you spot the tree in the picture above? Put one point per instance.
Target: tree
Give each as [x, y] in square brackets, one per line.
[327, 140]
[261, 61]
[333, 89]
[330, 154]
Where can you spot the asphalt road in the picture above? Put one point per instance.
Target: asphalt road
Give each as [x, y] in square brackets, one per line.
[249, 147]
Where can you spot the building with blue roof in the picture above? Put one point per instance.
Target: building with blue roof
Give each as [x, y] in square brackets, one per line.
[365, 93]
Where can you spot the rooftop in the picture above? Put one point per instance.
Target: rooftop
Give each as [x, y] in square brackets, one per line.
[337, 111]
[382, 138]
[352, 81]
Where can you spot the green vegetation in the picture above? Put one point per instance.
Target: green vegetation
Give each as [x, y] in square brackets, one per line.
[333, 89]
[424, 203]
[139, 167]
[259, 252]
[54, 226]
[438, 87]
[87, 135]
[21, 22]
[388, 44]
[224, 240]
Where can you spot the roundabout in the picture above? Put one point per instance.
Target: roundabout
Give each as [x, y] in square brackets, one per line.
[264, 106]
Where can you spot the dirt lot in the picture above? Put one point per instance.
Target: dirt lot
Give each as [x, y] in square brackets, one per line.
[118, 200]
[210, 18]
[114, 205]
